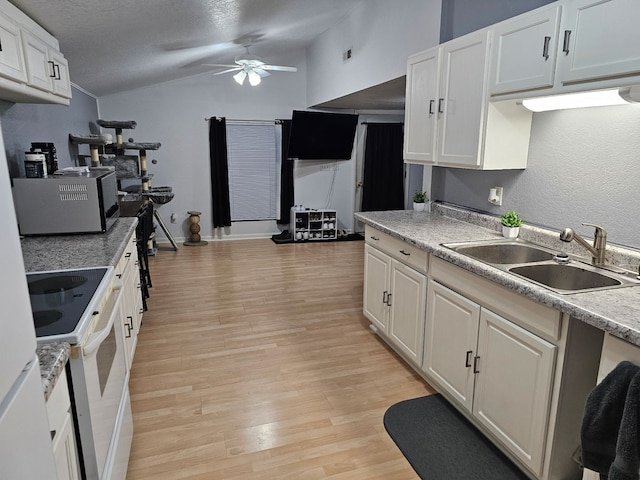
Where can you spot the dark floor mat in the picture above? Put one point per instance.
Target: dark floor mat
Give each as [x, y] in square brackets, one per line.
[440, 444]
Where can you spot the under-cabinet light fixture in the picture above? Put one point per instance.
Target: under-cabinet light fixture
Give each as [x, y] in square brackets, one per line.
[599, 98]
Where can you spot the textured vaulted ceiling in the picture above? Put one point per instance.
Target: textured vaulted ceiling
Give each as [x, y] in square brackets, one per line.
[116, 45]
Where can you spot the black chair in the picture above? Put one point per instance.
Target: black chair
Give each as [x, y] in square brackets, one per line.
[144, 230]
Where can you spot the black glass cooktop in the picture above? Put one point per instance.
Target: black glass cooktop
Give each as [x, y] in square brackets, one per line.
[59, 299]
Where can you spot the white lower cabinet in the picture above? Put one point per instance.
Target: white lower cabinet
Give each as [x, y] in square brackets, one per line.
[451, 337]
[407, 299]
[127, 270]
[395, 293]
[501, 373]
[514, 377]
[519, 370]
[62, 431]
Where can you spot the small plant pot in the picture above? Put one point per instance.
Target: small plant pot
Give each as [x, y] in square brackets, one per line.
[510, 232]
[419, 207]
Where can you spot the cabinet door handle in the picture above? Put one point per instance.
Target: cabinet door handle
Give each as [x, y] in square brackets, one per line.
[545, 48]
[0, 45]
[384, 297]
[127, 255]
[440, 102]
[374, 238]
[129, 327]
[389, 299]
[405, 253]
[475, 364]
[467, 361]
[53, 69]
[565, 43]
[431, 102]
[56, 69]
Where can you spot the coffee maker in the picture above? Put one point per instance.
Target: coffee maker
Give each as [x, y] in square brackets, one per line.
[49, 151]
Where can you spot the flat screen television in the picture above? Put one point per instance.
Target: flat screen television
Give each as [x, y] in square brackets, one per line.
[321, 136]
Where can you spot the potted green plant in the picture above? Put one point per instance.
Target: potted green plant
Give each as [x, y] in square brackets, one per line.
[420, 200]
[511, 222]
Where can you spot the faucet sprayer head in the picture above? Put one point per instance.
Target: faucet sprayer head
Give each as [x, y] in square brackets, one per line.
[566, 235]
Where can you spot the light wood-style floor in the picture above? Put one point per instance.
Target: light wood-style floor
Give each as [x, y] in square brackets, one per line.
[254, 361]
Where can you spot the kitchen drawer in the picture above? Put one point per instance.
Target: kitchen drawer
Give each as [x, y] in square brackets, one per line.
[402, 251]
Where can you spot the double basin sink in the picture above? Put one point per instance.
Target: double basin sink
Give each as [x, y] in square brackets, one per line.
[544, 267]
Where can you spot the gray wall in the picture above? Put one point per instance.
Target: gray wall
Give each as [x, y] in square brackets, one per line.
[583, 166]
[460, 17]
[23, 123]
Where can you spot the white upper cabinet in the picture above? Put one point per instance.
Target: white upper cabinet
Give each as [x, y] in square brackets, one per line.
[32, 69]
[569, 46]
[39, 70]
[11, 56]
[524, 51]
[46, 68]
[420, 107]
[461, 102]
[600, 40]
[449, 120]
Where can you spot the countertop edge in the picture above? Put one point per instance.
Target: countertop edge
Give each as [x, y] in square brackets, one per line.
[53, 358]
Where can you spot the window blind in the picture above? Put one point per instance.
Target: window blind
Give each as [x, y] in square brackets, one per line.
[251, 151]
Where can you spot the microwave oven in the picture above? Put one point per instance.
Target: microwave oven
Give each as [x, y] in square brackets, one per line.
[62, 204]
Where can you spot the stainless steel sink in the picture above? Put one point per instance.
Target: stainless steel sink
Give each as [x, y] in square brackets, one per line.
[504, 252]
[568, 278]
[539, 265]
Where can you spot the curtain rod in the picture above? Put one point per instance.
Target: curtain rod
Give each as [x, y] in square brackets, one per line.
[206, 119]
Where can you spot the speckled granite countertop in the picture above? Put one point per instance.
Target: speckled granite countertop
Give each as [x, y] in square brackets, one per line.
[616, 311]
[53, 358]
[63, 252]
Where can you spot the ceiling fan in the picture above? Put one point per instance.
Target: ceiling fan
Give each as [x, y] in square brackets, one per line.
[250, 66]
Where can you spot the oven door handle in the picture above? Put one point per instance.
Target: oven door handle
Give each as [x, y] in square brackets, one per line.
[97, 338]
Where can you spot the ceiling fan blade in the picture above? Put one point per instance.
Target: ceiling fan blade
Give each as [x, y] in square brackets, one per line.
[217, 65]
[279, 68]
[261, 72]
[228, 70]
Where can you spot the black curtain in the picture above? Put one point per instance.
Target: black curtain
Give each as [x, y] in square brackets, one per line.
[383, 182]
[286, 176]
[219, 172]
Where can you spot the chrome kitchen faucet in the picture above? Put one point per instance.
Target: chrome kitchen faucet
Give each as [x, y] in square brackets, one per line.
[599, 242]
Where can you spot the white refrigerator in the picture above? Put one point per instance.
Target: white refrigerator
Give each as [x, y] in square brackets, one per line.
[25, 440]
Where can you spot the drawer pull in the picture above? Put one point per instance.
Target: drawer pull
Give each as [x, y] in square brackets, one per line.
[119, 275]
[545, 48]
[565, 43]
[127, 255]
[405, 253]
[467, 361]
[374, 238]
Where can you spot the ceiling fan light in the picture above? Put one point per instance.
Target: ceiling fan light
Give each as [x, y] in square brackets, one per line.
[254, 78]
[240, 76]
